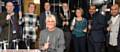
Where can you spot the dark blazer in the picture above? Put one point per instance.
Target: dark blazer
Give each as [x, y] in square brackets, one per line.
[42, 20]
[118, 39]
[63, 17]
[97, 28]
[7, 32]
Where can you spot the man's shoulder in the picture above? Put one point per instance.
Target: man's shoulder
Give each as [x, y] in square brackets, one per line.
[42, 14]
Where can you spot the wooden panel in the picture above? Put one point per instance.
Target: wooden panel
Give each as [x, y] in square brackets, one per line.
[26, 2]
[37, 11]
[118, 1]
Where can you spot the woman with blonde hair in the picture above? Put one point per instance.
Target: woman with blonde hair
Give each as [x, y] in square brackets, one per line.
[78, 28]
[51, 38]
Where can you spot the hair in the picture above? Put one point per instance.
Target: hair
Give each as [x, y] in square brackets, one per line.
[9, 2]
[91, 6]
[51, 17]
[65, 3]
[31, 3]
[115, 5]
[47, 2]
[82, 11]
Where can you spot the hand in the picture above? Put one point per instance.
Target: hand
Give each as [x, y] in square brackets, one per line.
[65, 23]
[108, 29]
[20, 14]
[46, 46]
[85, 30]
[89, 26]
[8, 17]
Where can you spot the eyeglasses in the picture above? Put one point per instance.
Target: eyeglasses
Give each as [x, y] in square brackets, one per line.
[50, 21]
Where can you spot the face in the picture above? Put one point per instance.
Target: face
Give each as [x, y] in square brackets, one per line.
[114, 10]
[31, 8]
[92, 10]
[78, 13]
[9, 7]
[47, 6]
[65, 7]
[50, 23]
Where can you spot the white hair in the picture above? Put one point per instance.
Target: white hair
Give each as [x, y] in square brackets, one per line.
[51, 17]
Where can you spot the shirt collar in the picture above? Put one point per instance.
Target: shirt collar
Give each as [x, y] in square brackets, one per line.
[116, 16]
[47, 11]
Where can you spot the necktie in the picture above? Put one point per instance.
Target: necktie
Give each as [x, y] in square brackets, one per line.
[48, 13]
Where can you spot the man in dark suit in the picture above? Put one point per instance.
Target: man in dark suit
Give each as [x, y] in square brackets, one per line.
[9, 24]
[96, 38]
[65, 22]
[66, 16]
[113, 39]
[46, 13]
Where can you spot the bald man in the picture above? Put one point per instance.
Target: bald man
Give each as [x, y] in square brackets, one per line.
[9, 24]
[114, 30]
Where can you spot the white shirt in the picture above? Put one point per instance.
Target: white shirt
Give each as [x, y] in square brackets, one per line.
[113, 19]
[47, 13]
[113, 35]
[66, 14]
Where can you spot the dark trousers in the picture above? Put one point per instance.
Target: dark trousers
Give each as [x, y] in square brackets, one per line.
[112, 49]
[95, 46]
[67, 36]
[13, 40]
[79, 44]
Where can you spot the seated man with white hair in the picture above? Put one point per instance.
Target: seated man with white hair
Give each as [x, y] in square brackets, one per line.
[51, 38]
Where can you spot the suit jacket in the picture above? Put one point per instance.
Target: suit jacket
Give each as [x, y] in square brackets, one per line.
[7, 32]
[97, 28]
[118, 39]
[63, 18]
[42, 20]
